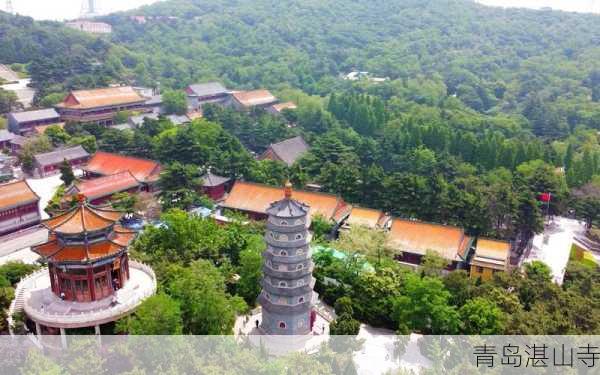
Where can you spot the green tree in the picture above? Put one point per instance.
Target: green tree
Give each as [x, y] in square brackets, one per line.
[174, 102]
[250, 271]
[366, 241]
[157, 315]
[8, 101]
[433, 264]
[207, 309]
[481, 316]
[57, 135]
[125, 202]
[66, 173]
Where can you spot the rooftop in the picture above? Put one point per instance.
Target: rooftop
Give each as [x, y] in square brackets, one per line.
[37, 115]
[106, 164]
[207, 89]
[257, 198]
[58, 156]
[44, 307]
[139, 119]
[290, 150]
[254, 98]
[418, 237]
[5, 135]
[287, 105]
[367, 217]
[81, 219]
[16, 194]
[41, 129]
[212, 180]
[85, 99]
[105, 186]
[491, 253]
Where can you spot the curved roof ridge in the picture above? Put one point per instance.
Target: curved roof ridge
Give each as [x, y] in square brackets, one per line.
[68, 215]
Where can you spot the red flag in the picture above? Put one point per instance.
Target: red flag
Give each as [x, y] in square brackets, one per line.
[545, 197]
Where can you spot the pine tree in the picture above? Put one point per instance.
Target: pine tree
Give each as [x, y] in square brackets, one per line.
[66, 173]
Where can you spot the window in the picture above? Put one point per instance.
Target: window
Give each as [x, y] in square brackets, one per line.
[282, 284]
[300, 252]
[268, 296]
[479, 269]
[282, 325]
[283, 222]
[298, 236]
[283, 253]
[301, 300]
[299, 222]
[300, 266]
[300, 282]
[300, 323]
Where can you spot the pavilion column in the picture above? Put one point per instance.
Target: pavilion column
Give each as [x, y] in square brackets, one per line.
[98, 334]
[63, 338]
[90, 275]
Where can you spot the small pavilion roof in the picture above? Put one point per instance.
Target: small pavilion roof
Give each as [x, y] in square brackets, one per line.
[211, 180]
[82, 218]
[491, 253]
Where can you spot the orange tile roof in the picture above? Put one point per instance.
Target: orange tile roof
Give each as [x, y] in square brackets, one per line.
[417, 237]
[104, 97]
[287, 105]
[54, 250]
[254, 98]
[492, 254]
[82, 218]
[367, 217]
[16, 194]
[256, 198]
[106, 164]
[104, 186]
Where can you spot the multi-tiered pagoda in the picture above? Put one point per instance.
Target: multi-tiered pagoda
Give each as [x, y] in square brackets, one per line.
[86, 253]
[287, 297]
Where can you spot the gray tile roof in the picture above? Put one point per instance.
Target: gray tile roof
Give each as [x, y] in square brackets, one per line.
[290, 150]
[38, 115]
[19, 140]
[138, 121]
[212, 180]
[208, 89]
[5, 135]
[58, 156]
[178, 120]
[154, 100]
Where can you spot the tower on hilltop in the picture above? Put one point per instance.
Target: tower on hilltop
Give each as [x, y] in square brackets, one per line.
[287, 296]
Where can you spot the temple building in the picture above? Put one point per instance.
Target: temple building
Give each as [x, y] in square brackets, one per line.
[252, 199]
[205, 93]
[49, 163]
[490, 256]
[100, 105]
[100, 190]
[90, 279]
[214, 186]
[19, 207]
[147, 172]
[23, 123]
[287, 298]
[247, 100]
[287, 151]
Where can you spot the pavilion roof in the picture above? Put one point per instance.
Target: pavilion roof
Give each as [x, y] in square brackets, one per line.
[418, 237]
[491, 254]
[289, 150]
[56, 250]
[82, 218]
[254, 98]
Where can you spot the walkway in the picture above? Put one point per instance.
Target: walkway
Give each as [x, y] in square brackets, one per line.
[553, 247]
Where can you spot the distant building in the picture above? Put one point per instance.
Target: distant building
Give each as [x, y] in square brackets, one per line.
[23, 123]
[138, 121]
[253, 199]
[288, 151]
[91, 27]
[154, 104]
[6, 168]
[367, 217]
[214, 186]
[204, 93]
[17, 143]
[19, 207]
[41, 129]
[178, 119]
[277, 109]
[99, 190]
[49, 163]
[5, 138]
[413, 239]
[490, 256]
[247, 100]
[147, 172]
[99, 105]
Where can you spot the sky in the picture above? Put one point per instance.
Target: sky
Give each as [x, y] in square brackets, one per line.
[68, 9]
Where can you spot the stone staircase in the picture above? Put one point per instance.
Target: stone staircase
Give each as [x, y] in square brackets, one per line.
[17, 305]
[588, 243]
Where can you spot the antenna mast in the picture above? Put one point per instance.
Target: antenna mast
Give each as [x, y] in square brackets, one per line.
[9, 7]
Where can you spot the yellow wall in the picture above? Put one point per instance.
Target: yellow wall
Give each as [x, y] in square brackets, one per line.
[485, 275]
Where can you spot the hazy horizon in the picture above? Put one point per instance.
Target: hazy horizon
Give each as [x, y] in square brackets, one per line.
[70, 9]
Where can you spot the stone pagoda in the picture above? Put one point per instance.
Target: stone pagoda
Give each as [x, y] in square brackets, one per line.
[287, 296]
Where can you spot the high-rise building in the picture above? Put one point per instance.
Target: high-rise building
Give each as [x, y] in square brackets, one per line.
[287, 296]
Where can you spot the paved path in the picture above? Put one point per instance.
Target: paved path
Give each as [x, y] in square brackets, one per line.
[553, 247]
